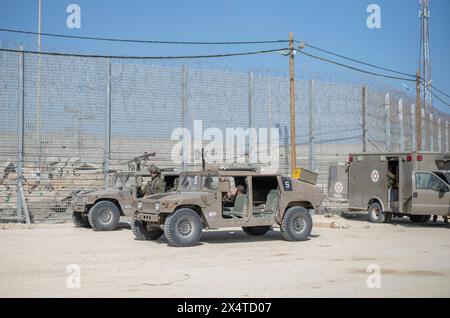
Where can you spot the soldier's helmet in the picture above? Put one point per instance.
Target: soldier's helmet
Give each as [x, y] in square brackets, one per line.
[154, 169]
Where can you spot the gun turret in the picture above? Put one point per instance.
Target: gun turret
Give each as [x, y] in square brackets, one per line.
[136, 163]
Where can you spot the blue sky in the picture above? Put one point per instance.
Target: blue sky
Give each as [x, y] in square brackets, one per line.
[339, 26]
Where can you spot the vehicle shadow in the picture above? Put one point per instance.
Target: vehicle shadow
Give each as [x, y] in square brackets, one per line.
[237, 236]
[123, 226]
[396, 221]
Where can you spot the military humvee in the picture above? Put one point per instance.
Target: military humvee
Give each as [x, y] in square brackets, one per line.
[101, 209]
[203, 201]
[400, 184]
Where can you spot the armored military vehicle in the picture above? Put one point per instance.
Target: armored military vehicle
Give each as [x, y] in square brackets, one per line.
[222, 198]
[101, 209]
[399, 184]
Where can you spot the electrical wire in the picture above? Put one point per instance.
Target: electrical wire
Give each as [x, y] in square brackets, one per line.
[357, 61]
[355, 68]
[438, 90]
[145, 57]
[141, 41]
[437, 97]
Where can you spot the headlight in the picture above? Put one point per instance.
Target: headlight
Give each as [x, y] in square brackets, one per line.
[157, 206]
[139, 206]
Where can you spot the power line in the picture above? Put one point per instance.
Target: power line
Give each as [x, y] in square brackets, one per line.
[437, 97]
[438, 90]
[357, 61]
[145, 57]
[355, 68]
[141, 41]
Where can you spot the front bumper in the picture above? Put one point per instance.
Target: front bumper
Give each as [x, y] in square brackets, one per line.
[147, 217]
[78, 208]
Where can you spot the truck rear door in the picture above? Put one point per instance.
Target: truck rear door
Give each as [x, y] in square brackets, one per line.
[430, 194]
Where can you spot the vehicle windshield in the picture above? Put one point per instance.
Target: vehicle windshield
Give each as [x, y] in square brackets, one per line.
[188, 183]
[210, 183]
[447, 175]
[118, 181]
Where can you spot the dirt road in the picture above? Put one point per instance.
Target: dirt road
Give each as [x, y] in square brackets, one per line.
[413, 261]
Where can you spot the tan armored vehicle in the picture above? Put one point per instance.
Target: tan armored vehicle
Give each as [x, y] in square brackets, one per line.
[217, 199]
[101, 209]
[399, 184]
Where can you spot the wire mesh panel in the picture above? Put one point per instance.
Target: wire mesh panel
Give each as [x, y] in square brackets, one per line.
[64, 124]
[10, 99]
[86, 117]
[338, 125]
[376, 123]
[145, 109]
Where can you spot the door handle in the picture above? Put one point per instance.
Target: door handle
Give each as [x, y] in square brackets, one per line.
[415, 195]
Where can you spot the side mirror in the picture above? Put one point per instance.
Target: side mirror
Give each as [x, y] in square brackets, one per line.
[224, 186]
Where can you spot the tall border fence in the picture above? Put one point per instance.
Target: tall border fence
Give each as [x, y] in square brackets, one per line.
[67, 123]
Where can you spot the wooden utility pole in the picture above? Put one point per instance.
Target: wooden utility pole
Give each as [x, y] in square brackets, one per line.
[292, 99]
[418, 114]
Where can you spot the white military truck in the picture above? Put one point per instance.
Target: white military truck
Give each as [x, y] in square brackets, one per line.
[400, 184]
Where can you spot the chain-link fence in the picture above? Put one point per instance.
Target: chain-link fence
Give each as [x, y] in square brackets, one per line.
[67, 123]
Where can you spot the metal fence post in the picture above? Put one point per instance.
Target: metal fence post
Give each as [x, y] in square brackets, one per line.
[401, 125]
[446, 135]
[387, 123]
[20, 131]
[250, 109]
[431, 129]
[439, 135]
[107, 154]
[311, 125]
[184, 108]
[422, 123]
[413, 128]
[364, 119]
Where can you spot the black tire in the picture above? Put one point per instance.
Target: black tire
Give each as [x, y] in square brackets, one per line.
[296, 225]
[142, 233]
[256, 230]
[377, 215]
[79, 220]
[183, 228]
[104, 216]
[419, 218]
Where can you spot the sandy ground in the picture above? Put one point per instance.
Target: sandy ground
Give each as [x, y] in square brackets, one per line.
[414, 261]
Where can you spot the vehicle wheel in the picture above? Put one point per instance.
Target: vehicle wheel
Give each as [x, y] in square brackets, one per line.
[419, 218]
[377, 215]
[79, 220]
[183, 227]
[296, 225]
[104, 216]
[256, 230]
[143, 233]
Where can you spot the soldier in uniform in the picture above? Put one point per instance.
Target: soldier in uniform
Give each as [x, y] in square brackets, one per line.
[175, 185]
[156, 184]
